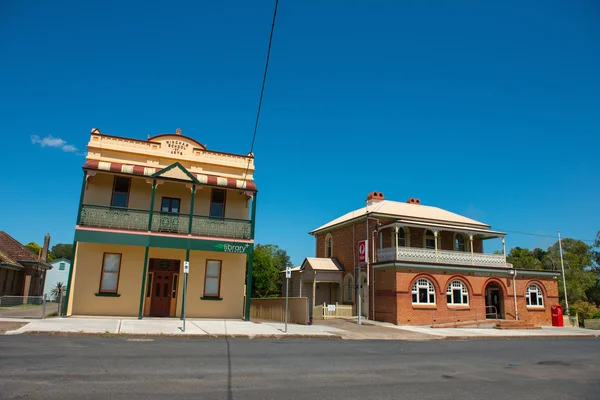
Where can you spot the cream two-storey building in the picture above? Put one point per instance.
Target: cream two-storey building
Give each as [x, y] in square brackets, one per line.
[149, 206]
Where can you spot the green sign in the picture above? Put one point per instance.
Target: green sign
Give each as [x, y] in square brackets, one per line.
[232, 247]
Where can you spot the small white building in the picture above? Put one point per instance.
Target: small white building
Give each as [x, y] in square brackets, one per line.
[58, 273]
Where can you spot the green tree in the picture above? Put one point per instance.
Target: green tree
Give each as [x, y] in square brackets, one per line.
[579, 274]
[525, 259]
[62, 250]
[265, 274]
[34, 247]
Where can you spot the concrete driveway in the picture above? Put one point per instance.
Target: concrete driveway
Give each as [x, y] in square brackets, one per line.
[28, 311]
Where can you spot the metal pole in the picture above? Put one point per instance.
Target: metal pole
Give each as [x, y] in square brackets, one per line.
[515, 293]
[287, 288]
[562, 265]
[358, 296]
[185, 279]
[43, 306]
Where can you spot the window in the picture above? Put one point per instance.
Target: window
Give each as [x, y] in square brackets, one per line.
[329, 246]
[120, 196]
[429, 240]
[61, 266]
[459, 242]
[111, 267]
[457, 293]
[401, 237]
[423, 292]
[170, 205]
[212, 280]
[217, 203]
[534, 296]
[349, 287]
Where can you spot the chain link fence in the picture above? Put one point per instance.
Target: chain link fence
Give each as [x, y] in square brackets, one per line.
[29, 306]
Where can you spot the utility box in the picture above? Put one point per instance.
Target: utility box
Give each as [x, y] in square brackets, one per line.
[557, 315]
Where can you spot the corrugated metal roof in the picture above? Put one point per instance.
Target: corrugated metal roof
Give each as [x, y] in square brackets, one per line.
[405, 210]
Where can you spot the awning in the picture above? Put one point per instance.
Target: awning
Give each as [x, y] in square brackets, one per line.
[140, 170]
[453, 228]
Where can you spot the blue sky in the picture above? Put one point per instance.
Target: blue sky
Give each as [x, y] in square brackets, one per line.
[487, 110]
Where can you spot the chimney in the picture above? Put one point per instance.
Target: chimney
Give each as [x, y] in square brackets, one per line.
[374, 197]
[414, 200]
[45, 248]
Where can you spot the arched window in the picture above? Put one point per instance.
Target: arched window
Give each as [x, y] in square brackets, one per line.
[457, 293]
[534, 296]
[349, 288]
[460, 242]
[429, 240]
[403, 237]
[423, 292]
[328, 246]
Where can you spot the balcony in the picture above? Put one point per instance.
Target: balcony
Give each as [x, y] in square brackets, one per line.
[430, 256]
[168, 223]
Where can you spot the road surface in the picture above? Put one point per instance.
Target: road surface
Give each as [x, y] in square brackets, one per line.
[86, 367]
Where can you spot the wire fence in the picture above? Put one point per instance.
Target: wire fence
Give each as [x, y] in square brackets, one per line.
[29, 306]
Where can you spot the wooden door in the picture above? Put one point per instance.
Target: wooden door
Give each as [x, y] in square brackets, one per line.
[162, 287]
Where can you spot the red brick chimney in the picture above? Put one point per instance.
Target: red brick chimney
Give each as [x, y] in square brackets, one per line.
[46, 247]
[374, 197]
[414, 200]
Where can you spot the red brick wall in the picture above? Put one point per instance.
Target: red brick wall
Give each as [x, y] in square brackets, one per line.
[407, 313]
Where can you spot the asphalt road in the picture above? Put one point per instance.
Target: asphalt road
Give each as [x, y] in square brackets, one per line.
[47, 367]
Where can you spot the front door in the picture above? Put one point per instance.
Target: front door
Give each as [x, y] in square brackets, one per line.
[493, 301]
[162, 287]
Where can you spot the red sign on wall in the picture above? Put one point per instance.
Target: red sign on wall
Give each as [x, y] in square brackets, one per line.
[363, 251]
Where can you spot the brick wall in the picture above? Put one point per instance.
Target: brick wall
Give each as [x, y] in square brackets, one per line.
[394, 294]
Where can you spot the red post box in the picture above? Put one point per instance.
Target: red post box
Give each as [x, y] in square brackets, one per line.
[557, 315]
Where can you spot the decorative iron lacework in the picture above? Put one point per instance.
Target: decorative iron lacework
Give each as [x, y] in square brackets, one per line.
[206, 226]
[112, 217]
[443, 257]
[170, 223]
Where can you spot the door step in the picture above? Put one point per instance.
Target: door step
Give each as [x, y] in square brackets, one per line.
[515, 325]
[488, 323]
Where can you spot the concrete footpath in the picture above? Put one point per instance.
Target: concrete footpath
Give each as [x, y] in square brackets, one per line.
[329, 329]
[167, 326]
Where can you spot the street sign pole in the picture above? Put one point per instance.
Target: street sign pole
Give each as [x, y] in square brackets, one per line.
[363, 258]
[359, 311]
[186, 270]
[288, 275]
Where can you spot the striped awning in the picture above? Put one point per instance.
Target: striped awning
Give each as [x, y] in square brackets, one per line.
[204, 179]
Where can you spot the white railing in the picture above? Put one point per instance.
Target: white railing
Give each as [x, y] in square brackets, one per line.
[442, 257]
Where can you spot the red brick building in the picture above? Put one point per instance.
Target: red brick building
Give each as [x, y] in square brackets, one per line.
[426, 265]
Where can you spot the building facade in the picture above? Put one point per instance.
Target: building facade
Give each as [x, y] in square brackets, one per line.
[427, 265]
[58, 274]
[22, 272]
[148, 208]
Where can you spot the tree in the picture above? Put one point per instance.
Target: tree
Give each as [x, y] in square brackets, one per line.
[525, 259]
[269, 260]
[57, 291]
[34, 247]
[579, 275]
[62, 250]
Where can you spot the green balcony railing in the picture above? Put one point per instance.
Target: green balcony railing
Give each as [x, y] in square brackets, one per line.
[133, 219]
[114, 217]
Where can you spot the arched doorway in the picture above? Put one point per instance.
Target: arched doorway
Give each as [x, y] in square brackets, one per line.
[494, 301]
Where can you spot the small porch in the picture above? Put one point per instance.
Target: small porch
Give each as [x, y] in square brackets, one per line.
[320, 280]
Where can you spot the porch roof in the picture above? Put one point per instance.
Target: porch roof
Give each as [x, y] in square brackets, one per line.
[131, 169]
[321, 264]
[481, 232]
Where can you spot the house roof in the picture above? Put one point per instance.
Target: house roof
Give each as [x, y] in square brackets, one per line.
[322, 264]
[396, 209]
[14, 252]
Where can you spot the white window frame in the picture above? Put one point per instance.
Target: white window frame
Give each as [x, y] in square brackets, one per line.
[457, 285]
[423, 284]
[426, 236]
[533, 288]
[406, 237]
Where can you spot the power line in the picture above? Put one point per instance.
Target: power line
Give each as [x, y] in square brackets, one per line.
[262, 89]
[541, 235]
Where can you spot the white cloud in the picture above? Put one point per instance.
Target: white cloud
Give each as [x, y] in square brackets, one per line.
[51, 141]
